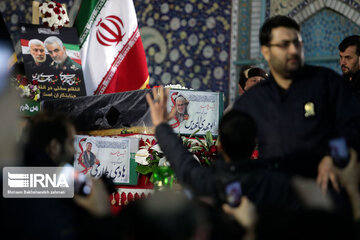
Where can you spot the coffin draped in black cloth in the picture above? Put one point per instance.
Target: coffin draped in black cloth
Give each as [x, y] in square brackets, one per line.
[107, 111]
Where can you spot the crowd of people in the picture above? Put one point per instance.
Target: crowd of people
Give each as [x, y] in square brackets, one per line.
[298, 188]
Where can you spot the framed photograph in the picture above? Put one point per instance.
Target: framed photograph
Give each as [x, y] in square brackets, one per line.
[52, 60]
[195, 111]
[113, 157]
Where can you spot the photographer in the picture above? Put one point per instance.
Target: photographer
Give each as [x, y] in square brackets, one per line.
[237, 133]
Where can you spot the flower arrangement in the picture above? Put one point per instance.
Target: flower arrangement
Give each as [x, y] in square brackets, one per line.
[170, 86]
[204, 150]
[27, 89]
[54, 15]
[151, 159]
[175, 86]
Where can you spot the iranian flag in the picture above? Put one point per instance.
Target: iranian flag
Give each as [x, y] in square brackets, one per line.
[112, 54]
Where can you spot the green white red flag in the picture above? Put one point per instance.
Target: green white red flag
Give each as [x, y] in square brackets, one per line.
[112, 54]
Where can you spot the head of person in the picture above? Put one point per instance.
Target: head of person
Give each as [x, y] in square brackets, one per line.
[88, 146]
[52, 134]
[243, 75]
[350, 55]
[37, 51]
[181, 104]
[282, 46]
[56, 49]
[254, 76]
[237, 133]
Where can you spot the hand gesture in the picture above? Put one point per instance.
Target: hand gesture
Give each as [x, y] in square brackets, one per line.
[326, 173]
[157, 106]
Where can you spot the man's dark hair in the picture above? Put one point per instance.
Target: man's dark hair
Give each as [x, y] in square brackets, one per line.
[275, 22]
[47, 126]
[242, 77]
[353, 40]
[257, 72]
[237, 132]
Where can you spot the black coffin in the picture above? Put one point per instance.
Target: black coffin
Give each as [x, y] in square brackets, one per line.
[107, 111]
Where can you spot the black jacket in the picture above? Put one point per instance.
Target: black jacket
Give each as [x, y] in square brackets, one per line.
[295, 125]
[261, 185]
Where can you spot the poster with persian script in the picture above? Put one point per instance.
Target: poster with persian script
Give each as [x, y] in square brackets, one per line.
[195, 111]
[52, 61]
[113, 157]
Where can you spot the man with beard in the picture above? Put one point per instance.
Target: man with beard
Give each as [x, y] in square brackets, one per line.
[181, 108]
[37, 51]
[350, 60]
[57, 51]
[299, 108]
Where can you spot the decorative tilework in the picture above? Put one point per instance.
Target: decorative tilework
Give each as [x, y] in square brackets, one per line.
[187, 42]
[244, 31]
[323, 32]
[233, 50]
[255, 27]
[324, 24]
[283, 7]
[291, 8]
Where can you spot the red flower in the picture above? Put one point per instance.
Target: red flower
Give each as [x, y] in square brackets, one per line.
[35, 82]
[208, 154]
[46, 24]
[148, 141]
[50, 5]
[213, 149]
[58, 5]
[255, 154]
[142, 143]
[40, 5]
[57, 10]
[63, 12]
[153, 142]
[47, 14]
[59, 18]
[24, 81]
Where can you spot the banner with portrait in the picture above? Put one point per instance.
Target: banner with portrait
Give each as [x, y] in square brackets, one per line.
[52, 60]
[195, 111]
[113, 157]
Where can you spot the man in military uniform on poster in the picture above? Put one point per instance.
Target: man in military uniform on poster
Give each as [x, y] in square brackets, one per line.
[57, 51]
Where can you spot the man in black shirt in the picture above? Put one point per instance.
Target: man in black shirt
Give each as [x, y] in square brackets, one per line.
[350, 60]
[298, 109]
